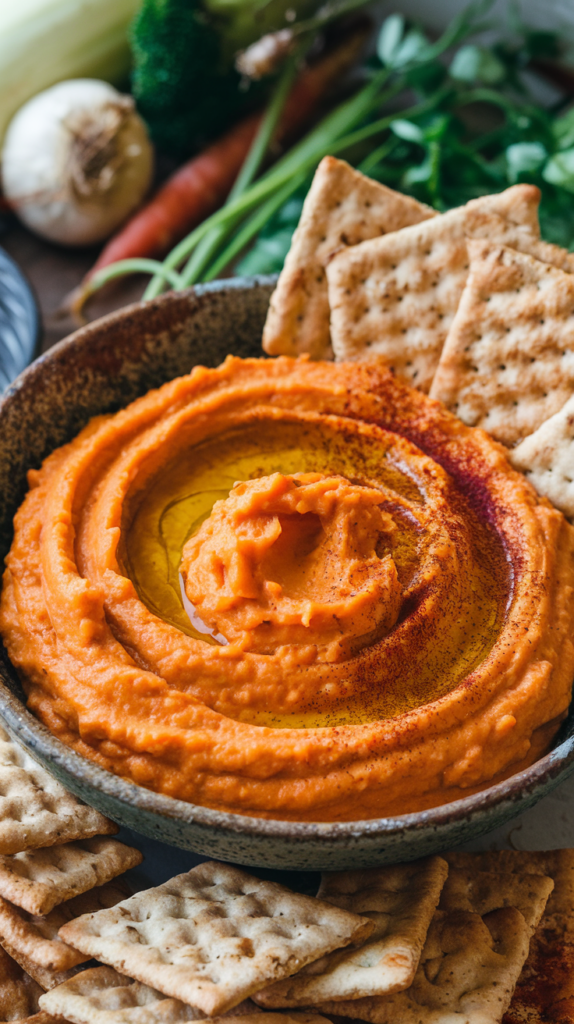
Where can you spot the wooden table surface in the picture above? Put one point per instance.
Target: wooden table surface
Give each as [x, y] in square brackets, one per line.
[54, 271]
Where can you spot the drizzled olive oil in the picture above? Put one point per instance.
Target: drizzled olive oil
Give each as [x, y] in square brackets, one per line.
[182, 496]
[171, 508]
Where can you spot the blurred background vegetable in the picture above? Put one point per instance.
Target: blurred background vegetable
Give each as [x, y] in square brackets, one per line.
[185, 90]
[481, 131]
[185, 80]
[76, 161]
[202, 183]
[466, 124]
[45, 41]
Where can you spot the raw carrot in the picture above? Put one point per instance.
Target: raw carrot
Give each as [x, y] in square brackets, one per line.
[201, 185]
[193, 192]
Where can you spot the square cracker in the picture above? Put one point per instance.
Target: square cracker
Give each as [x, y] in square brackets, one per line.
[481, 892]
[396, 297]
[401, 900]
[35, 938]
[44, 976]
[43, 1018]
[523, 862]
[546, 458]
[19, 994]
[545, 990]
[508, 362]
[35, 809]
[265, 1017]
[102, 996]
[213, 936]
[343, 207]
[38, 880]
[472, 958]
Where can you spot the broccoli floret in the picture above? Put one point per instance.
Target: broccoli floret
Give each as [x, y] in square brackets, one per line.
[183, 89]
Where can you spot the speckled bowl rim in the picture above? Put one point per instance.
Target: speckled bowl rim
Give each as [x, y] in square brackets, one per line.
[520, 789]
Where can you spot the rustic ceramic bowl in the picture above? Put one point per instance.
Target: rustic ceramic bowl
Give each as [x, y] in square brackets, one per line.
[101, 368]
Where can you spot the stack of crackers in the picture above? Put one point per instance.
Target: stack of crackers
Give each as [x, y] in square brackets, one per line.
[57, 863]
[469, 306]
[453, 939]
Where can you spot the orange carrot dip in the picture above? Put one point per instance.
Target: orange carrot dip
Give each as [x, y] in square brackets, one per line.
[293, 590]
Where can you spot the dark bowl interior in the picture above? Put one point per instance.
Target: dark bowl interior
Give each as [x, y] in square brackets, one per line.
[102, 368]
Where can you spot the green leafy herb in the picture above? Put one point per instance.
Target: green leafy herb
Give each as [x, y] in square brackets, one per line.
[560, 170]
[472, 129]
[483, 132]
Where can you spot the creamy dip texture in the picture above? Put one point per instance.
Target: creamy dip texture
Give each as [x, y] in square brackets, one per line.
[294, 590]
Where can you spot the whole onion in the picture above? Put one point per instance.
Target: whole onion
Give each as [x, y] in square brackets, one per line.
[76, 161]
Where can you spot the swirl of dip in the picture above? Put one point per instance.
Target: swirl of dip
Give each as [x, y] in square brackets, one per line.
[294, 590]
[294, 561]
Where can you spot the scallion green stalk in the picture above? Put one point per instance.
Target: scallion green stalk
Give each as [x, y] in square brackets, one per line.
[254, 225]
[211, 242]
[306, 153]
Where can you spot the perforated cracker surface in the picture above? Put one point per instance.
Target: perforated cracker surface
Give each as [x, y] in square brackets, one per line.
[343, 207]
[215, 935]
[35, 809]
[508, 362]
[35, 937]
[396, 297]
[39, 880]
[468, 969]
[401, 901]
[546, 457]
[102, 996]
[544, 989]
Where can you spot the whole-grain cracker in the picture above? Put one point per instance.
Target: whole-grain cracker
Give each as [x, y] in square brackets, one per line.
[35, 809]
[343, 207]
[38, 880]
[401, 901]
[508, 362]
[483, 891]
[266, 1017]
[546, 457]
[19, 994]
[396, 297]
[470, 963]
[215, 935]
[523, 862]
[36, 938]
